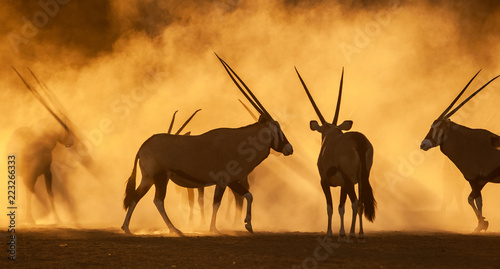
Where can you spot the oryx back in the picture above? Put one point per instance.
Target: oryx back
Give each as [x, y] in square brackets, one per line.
[202, 160]
[478, 156]
[343, 154]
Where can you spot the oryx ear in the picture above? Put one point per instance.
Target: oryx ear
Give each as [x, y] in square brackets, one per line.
[188, 133]
[346, 125]
[314, 125]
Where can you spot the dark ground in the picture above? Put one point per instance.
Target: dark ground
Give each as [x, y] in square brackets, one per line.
[72, 248]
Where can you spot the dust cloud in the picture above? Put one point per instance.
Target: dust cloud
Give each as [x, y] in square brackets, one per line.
[121, 69]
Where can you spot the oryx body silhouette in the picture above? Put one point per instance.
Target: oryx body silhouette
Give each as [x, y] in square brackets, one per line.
[345, 160]
[33, 145]
[475, 152]
[238, 199]
[190, 191]
[221, 157]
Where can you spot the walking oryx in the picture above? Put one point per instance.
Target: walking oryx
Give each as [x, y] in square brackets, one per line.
[475, 152]
[33, 146]
[221, 157]
[344, 160]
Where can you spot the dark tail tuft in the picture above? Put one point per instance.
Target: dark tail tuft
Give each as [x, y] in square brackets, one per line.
[368, 201]
[130, 189]
[365, 189]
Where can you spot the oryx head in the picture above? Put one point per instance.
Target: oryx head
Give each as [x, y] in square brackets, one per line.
[279, 142]
[439, 128]
[327, 128]
[67, 138]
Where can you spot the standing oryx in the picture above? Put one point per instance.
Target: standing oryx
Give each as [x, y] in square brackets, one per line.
[344, 160]
[221, 157]
[33, 146]
[475, 152]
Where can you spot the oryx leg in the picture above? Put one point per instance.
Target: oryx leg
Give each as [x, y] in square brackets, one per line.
[238, 199]
[48, 185]
[201, 203]
[361, 208]
[239, 189]
[343, 198]
[143, 188]
[219, 192]
[191, 203]
[475, 199]
[29, 183]
[329, 206]
[354, 205]
[161, 181]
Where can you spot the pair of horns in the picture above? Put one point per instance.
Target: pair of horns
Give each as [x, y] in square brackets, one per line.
[248, 93]
[183, 125]
[42, 100]
[337, 109]
[445, 113]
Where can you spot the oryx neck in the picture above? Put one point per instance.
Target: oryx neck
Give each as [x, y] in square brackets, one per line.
[455, 134]
[331, 133]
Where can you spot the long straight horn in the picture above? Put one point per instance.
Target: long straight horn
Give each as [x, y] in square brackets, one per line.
[52, 98]
[456, 98]
[172, 123]
[255, 102]
[49, 94]
[185, 123]
[248, 110]
[337, 110]
[311, 99]
[470, 97]
[44, 103]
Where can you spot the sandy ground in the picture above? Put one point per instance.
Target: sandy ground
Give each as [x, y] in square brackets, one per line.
[63, 247]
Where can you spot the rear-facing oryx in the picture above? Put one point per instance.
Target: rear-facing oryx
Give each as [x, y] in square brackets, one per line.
[221, 157]
[345, 159]
[475, 152]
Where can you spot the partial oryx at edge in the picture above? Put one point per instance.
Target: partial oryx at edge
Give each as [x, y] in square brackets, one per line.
[345, 159]
[33, 145]
[222, 157]
[475, 152]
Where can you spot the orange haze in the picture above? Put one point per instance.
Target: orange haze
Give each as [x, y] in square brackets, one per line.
[121, 70]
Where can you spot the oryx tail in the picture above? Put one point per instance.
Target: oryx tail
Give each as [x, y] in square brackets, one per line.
[366, 197]
[130, 189]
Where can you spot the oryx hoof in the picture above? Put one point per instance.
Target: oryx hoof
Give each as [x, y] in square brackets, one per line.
[328, 237]
[485, 225]
[214, 231]
[249, 228]
[482, 226]
[361, 239]
[176, 231]
[350, 239]
[342, 238]
[126, 230]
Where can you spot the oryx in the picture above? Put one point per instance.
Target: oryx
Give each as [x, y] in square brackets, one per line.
[475, 152]
[190, 191]
[33, 146]
[238, 199]
[345, 159]
[221, 157]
